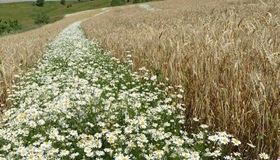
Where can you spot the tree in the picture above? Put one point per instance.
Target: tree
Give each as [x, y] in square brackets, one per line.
[40, 3]
[62, 2]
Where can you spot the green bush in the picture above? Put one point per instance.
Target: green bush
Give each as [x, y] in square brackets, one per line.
[9, 26]
[117, 2]
[41, 18]
[141, 1]
[40, 3]
[62, 2]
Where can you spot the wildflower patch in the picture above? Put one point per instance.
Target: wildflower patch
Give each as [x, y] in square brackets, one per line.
[81, 103]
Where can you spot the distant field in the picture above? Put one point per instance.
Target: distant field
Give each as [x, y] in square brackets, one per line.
[24, 11]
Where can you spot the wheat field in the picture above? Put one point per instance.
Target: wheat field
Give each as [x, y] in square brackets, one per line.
[224, 53]
[21, 51]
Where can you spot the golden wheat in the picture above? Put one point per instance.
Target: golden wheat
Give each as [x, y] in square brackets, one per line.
[224, 53]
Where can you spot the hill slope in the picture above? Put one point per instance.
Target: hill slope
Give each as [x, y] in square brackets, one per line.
[55, 10]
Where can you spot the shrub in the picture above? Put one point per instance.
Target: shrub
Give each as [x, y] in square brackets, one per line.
[117, 2]
[136, 1]
[41, 18]
[9, 26]
[40, 3]
[62, 2]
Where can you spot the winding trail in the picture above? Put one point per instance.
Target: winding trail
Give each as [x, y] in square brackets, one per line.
[103, 10]
[147, 7]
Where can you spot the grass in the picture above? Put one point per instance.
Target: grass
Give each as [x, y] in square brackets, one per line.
[224, 53]
[79, 102]
[24, 11]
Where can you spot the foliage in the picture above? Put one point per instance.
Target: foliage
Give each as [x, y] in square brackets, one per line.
[141, 1]
[62, 2]
[9, 26]
[41, 17]
[117, 2]
[40, 3]
[136, 1]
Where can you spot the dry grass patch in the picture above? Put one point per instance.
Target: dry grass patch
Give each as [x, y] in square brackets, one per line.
[224, 53]
[19, 52]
